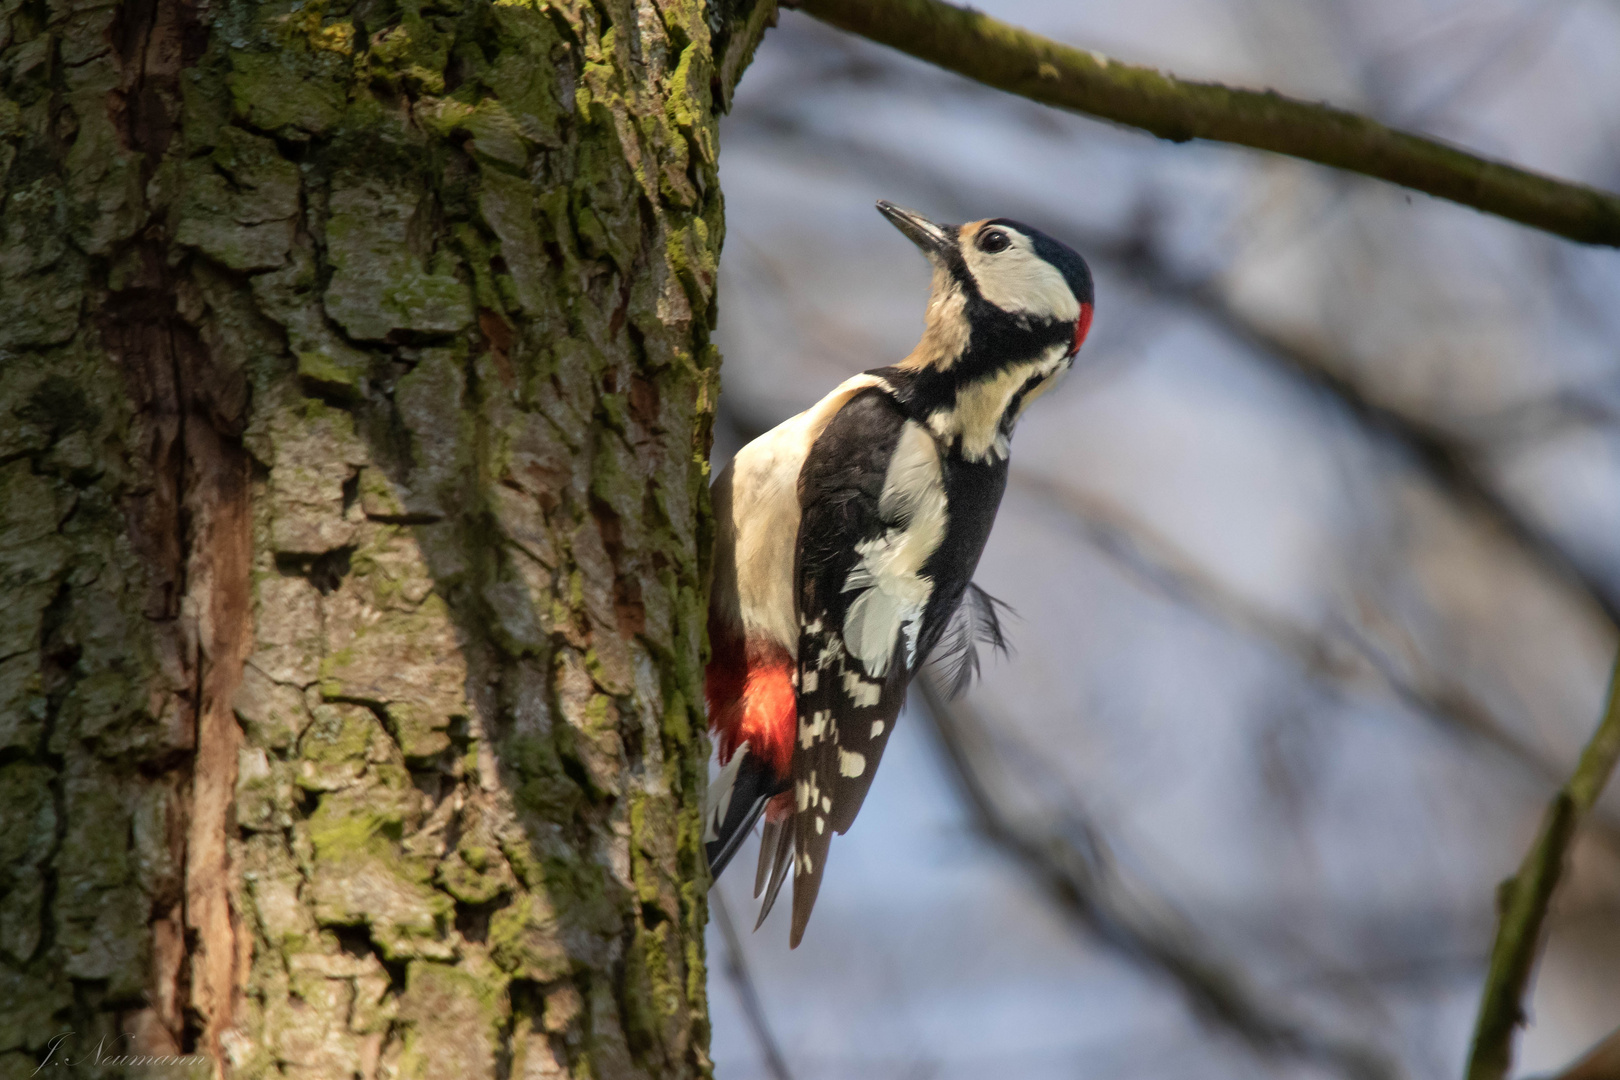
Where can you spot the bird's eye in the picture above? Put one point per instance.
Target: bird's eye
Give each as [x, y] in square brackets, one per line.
[993, 240]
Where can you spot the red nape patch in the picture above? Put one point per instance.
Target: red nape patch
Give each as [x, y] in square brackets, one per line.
[751, 700]
[1082, 327]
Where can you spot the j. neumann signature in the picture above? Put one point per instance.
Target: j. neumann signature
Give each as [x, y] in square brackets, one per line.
[57, 1056]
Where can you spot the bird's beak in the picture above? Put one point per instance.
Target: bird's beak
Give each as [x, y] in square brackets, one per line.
[934, 240]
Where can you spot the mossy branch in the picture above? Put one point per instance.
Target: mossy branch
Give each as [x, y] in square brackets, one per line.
[1524, 898]
[1008, 58]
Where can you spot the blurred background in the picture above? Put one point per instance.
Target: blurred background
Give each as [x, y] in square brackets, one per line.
[1315, 558]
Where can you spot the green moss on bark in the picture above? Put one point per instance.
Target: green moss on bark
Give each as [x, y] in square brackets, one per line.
[432, 285]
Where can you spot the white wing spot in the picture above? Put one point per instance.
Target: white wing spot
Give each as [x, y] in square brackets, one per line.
[812, 679]
[821, 824]
[801, 794]
[813, 730]
[877, 729]
[861, 692]
[850, 763]
[826, 804]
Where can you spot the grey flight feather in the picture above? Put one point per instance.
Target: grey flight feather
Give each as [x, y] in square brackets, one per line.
[977, 621]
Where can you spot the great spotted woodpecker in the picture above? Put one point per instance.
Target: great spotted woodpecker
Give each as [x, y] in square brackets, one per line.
[847, 538]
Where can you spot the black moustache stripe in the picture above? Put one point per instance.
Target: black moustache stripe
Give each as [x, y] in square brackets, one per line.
[997, 341]
[1016, 402]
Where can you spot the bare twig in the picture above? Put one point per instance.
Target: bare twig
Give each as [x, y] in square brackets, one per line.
[1524, 898]
[1017, 61]
[737, 971]
[1068, 855]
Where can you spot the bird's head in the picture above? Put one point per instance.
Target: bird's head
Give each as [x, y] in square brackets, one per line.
[1008, 309]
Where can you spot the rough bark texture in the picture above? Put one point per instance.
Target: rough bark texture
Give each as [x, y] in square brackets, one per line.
[355, 388]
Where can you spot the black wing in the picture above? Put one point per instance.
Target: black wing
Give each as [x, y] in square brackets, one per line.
[844, 714]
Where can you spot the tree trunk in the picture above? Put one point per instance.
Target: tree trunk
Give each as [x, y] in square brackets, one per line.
[355, 389]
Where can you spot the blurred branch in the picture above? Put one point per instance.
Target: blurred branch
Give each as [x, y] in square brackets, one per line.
[1524, 898]
[1343, 658]
[1008, 58]
[1067, 854]
[1517, 41]
[1448, 460]
[1549, 417]
[737, 971]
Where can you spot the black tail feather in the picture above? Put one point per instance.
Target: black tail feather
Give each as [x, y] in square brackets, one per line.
[753, 786]
[775, 848]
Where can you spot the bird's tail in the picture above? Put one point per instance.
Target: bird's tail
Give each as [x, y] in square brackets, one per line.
[736, 799]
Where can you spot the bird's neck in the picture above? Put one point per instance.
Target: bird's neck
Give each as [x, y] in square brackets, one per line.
[947, 331]
[973, 415]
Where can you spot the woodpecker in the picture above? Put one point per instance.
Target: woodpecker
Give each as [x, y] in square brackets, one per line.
[846, 540]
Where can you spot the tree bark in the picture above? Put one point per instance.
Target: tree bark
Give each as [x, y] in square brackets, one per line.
[355, 390]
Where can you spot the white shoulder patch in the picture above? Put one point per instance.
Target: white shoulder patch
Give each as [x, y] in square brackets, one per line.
[891, 591]
[758, 493]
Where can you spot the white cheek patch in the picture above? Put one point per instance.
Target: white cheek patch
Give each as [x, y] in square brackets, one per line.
[1018, 280]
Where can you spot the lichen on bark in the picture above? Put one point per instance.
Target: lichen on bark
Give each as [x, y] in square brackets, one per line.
[355, 387]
